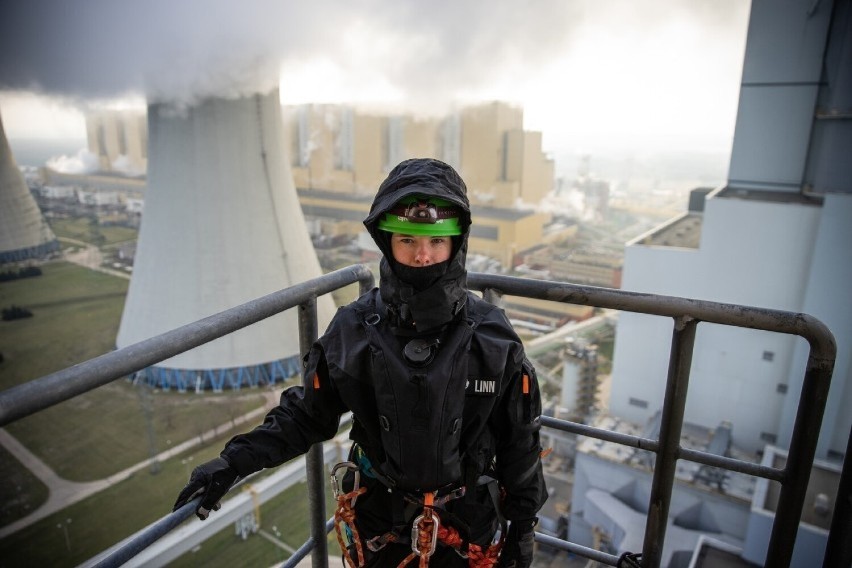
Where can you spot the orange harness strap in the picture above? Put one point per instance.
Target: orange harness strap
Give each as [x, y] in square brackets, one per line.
[427, 531]
[345, 514]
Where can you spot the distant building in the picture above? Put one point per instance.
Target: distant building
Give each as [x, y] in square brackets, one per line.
[119, 139]
[567, 264]
[580, 382]
[339, 157]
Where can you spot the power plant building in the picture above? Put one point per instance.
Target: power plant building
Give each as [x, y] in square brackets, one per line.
[119, 140]
[222, 226]
[340, 156]
[776, 236]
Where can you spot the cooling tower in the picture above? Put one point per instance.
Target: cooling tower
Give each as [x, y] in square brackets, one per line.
[24, 234]
[222, 225]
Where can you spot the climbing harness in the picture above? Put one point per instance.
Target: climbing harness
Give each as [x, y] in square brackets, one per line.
[427, 531]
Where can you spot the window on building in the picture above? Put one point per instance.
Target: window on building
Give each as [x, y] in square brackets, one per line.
[768, 355]
[638, 402]
[767, 437]
[781, 388]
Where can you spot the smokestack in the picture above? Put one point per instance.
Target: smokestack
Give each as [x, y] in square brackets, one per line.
[24, 234]
[222, 226]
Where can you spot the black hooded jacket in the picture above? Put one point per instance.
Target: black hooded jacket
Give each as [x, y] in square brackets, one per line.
[471, 409]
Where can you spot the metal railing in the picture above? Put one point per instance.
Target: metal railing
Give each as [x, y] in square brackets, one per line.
[39, 394]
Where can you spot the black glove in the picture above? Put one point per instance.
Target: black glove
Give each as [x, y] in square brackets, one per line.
[212, 480]
[518, 547]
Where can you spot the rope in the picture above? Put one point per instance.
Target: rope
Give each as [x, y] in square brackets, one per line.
[477, 556]
[346, 514]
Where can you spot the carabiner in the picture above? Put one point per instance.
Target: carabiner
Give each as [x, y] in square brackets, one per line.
[336, 489]
[415, 535]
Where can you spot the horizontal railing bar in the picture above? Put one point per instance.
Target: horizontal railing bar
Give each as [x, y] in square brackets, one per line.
[306, 548]
[732, 464]
[804, 325]
[650, 445]
[601, 434]
[25, 399]
[149, 535]
[585, 552]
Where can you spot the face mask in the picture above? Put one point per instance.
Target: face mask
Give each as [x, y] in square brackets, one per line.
[421, 277]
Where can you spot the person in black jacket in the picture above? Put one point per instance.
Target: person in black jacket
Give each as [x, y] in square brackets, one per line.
[445, 404]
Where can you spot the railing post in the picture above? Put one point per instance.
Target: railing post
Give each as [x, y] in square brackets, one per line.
[671, 424]
[838, 551]
[314, 463]
[492, 296]
[800, 459]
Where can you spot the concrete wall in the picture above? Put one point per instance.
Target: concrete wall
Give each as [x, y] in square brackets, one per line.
[752, 253]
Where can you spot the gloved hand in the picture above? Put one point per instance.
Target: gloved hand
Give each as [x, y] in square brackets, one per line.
[518, 547]
[212, 480]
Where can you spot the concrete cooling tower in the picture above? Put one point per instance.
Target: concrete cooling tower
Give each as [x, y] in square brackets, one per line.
[222, 226]
[24, 234]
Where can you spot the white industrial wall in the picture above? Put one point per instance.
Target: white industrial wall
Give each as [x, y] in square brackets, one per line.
[753, 253]
[222, 226]
[828, 298]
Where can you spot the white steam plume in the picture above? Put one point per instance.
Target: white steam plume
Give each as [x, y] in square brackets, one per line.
[183, 50]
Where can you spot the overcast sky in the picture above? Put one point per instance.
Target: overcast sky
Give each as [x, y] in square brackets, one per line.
[590, 74]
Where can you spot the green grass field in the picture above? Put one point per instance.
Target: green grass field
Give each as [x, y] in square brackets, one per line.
[83, 229]
[117, 512]
[76, 313]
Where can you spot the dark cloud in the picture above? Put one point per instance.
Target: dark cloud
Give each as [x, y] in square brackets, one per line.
[107, 48]
[183, 49]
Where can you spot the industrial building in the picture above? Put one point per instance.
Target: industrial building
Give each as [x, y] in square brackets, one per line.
[340, 155]
[119, 140]
[775, 236]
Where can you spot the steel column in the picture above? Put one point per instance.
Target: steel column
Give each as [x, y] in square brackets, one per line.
[800, 460]
[838, 551]
[314, 463]
[680, 361]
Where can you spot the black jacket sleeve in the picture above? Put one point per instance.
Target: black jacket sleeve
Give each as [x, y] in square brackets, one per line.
[304, 416]
[518, 448]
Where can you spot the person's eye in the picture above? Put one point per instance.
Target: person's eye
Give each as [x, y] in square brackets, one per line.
[438, 241]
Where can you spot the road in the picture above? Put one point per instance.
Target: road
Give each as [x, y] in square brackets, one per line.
[64, 493]
[90, 256]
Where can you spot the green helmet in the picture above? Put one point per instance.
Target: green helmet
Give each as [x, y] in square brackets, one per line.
[422, 216]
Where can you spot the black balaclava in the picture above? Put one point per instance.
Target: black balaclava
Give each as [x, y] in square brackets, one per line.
[422, 299]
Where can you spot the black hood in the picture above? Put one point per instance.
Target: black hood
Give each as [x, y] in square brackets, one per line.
[442, 299]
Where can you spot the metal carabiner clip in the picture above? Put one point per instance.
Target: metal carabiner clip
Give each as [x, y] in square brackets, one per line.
[336, 489]
[415, 534]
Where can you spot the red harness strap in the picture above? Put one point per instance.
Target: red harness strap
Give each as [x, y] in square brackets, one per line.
[427, 531]
[346, 514]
